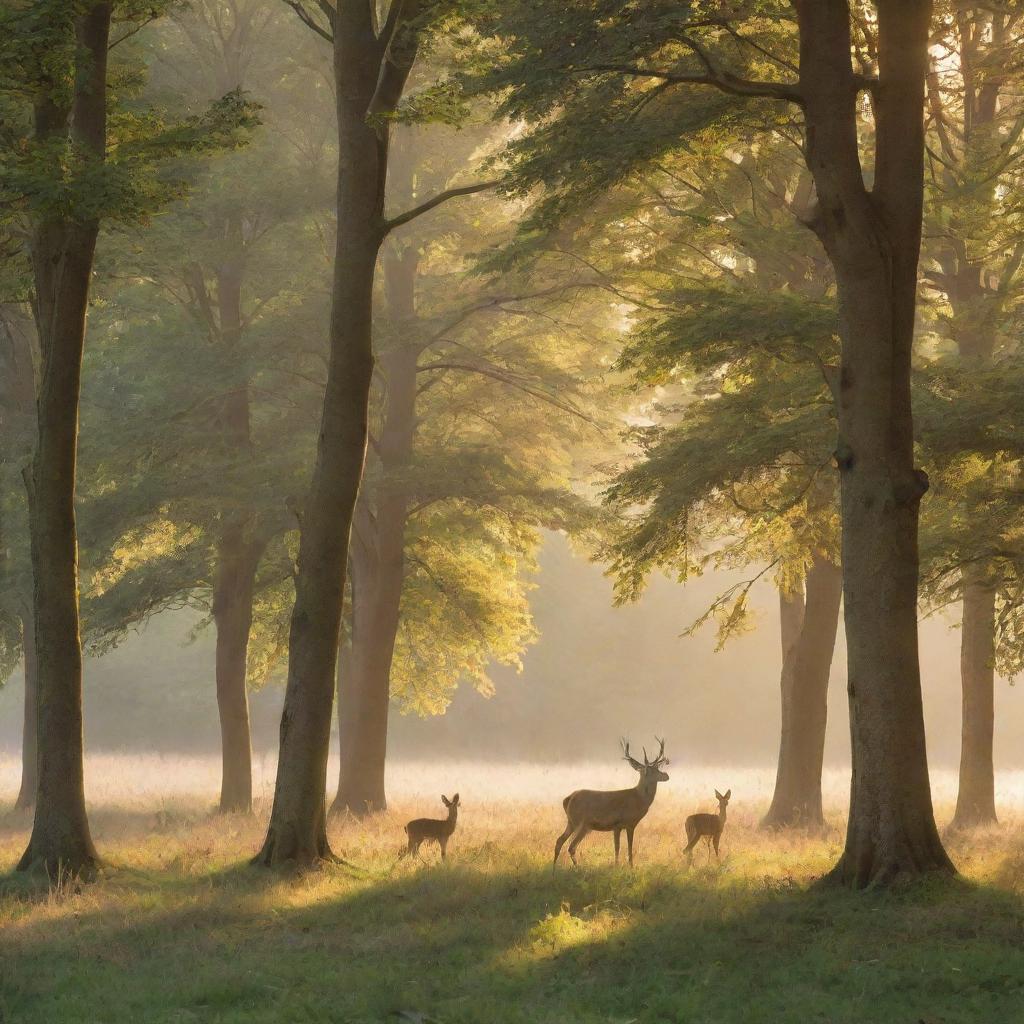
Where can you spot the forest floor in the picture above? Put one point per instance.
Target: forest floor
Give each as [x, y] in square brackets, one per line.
[179, 929]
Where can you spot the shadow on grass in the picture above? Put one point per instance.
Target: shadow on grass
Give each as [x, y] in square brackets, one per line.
[496, 942]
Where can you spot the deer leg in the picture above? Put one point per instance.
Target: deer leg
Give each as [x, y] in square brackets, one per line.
[689, 849]
[560, 841]
[715, 841]
[618, 836]
[582, 834]
[443, 843]
[629, 844]
[709, 848]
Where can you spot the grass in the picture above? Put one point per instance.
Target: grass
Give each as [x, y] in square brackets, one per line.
[179, 929]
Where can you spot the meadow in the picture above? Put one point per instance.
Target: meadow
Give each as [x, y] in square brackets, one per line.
[178, 928]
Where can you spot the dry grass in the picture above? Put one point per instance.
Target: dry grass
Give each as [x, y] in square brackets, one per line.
[178, 929]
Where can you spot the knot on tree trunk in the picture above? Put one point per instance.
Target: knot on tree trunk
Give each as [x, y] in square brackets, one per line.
[909, 490]
[843, 457]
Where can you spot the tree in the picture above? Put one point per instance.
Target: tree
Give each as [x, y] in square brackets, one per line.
[70, 116]
[63, 184]
[476, 403]
[739, 317]
[373, 59]
[972, 275]
[198, 391]
[600, 63]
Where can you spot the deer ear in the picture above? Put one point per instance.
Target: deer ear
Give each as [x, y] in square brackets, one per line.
[718, 796]
[728, 793]
[455, 799]
[445, 800]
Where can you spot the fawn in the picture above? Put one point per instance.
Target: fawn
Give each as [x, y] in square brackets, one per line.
[420, 830]
[707, 826]
[590, 810]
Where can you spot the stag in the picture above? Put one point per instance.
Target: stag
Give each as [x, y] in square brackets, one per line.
[592, 810]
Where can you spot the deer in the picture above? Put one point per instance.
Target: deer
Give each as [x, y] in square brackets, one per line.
[421, 830]
[707, 826]
[615, 811]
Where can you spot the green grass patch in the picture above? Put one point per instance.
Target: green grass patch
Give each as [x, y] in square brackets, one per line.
[179, 930]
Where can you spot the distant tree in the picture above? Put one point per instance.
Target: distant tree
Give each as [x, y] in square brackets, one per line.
[482, 386]
[972, 275]
[590, 78]
[737, 471]
[197, 394]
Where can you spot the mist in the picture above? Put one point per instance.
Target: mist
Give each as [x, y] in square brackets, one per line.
[596, 673]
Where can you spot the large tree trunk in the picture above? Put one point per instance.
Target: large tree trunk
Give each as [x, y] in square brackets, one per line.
[62, 261]
[368, 81]
[873, 240]
[806, 667]
[29, 746]
[378, 565]
[976, 799]
[237, 561]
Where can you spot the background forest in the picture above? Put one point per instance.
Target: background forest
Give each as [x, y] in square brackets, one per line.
[426, 395]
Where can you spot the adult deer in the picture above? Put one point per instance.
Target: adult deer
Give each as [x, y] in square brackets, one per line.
[707, 826]
[592, 810]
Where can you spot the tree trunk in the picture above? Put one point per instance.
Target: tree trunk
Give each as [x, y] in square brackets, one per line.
[63, 251]
[378, 565]
[364, 694]
[364, 699]
[238, 553]
[369, 80]
[976, 800]
[29, 746]
[977, 309]
[237, 561]
[873, 241]
[805, 676]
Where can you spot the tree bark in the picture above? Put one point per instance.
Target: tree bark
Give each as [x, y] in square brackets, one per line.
[873, 239]
[364, 694]
[237, 561]
[976, 800]
[370, 75]
[796, 802]
[29, 746]
[63, 251]
[378, 567]
[238, 552]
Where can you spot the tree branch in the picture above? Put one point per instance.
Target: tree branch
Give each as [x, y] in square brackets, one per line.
[723, 80]
[441, 197]
[511, 379]
[307, 19]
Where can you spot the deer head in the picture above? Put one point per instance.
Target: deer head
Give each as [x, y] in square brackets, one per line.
[650, 770]
[723, 802]
[452, 805]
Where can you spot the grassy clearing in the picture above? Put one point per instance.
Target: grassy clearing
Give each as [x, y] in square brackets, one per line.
[178, 929]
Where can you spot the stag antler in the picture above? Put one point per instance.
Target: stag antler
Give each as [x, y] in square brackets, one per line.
[661, 758]
[626, 755]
